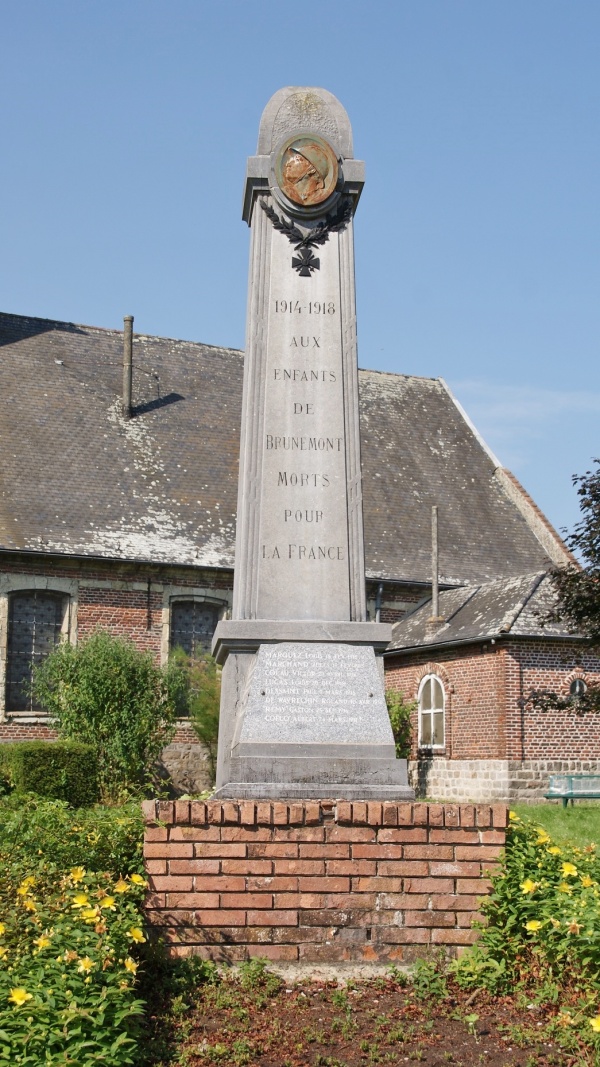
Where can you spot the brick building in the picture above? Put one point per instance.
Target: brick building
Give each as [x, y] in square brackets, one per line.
[129, 522]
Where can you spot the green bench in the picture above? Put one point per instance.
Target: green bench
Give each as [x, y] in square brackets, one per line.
[572, 787]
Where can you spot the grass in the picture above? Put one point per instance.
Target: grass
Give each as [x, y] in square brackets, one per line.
[579, 824]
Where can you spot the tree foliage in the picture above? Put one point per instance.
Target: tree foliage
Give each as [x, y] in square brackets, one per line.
[578, 588]
[400, 718]
[203, 699]
[107, 693]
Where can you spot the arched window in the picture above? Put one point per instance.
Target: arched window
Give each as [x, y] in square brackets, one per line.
[35, 623]
[193, 623]
[431, 713]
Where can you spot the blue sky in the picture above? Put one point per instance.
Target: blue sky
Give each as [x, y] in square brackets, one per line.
[126, 127]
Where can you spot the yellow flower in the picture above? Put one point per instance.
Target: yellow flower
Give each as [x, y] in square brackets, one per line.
[137, 879]
[29, 905]
[543, 837]
[533, 924]
[586, 881]
[564, 1018]
[86, 964]
[42, 941]
[20, 996]
[555, 923]
[89, 915]
[564, 887]
[80, 900]
[554, 850]
[130, 965]
[569, 869]
[76, 874]
[513, 816]
[528, 886]
[2, 929]
[136, 934]
[595, 1024]
[574, 927]
[591, 847]
[107, 902]
[3, 952]
[121, 886]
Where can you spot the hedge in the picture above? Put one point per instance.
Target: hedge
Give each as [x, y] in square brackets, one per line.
[61, 770]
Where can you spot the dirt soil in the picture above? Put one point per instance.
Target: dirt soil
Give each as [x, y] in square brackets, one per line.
[377, 1021]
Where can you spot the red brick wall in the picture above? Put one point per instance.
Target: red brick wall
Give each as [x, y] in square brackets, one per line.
[550, 665]
[318, 881]
[475, 700]
[484, 685]
[131, 613]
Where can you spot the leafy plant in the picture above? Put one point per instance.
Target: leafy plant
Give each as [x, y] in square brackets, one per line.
[429, 979]
[69, 936]
[107, 693]
[203, 699]
[400, 718]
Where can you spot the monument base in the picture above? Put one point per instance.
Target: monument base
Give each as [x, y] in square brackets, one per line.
[304, 718]
[294, 791]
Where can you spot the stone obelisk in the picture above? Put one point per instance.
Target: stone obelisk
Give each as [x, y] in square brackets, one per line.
[303, 712]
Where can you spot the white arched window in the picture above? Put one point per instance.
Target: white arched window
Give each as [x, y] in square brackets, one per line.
[431, 713]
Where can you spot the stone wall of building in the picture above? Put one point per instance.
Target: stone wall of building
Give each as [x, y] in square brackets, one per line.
[318, 881]
[492, 781]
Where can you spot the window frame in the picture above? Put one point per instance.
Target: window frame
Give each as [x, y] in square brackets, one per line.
[26, 583]
[423, 746]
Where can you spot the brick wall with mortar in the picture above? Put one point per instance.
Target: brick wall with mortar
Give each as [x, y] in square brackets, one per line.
[484, 686]
[318, 881]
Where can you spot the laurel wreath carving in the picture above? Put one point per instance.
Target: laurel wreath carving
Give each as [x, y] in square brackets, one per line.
[332, 223]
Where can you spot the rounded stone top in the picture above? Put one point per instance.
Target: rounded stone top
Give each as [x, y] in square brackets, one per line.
[300, 109]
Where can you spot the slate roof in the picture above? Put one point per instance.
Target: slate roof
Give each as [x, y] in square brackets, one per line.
[79, 479]
[505, 607]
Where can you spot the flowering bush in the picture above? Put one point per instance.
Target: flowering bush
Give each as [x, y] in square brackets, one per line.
[68, 940]
[542, 926]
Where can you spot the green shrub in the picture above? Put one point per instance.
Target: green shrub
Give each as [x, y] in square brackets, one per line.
[400, 719]
[542, 925]
[70, 928]
[107, 693]
[63, 770]
[36, 830]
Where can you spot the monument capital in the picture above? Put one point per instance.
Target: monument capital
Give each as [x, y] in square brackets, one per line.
[300, 116]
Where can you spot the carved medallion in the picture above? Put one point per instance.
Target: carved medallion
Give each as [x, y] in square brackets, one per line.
[307, 170]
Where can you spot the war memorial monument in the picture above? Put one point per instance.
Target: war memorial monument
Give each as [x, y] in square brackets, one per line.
[303, 710]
